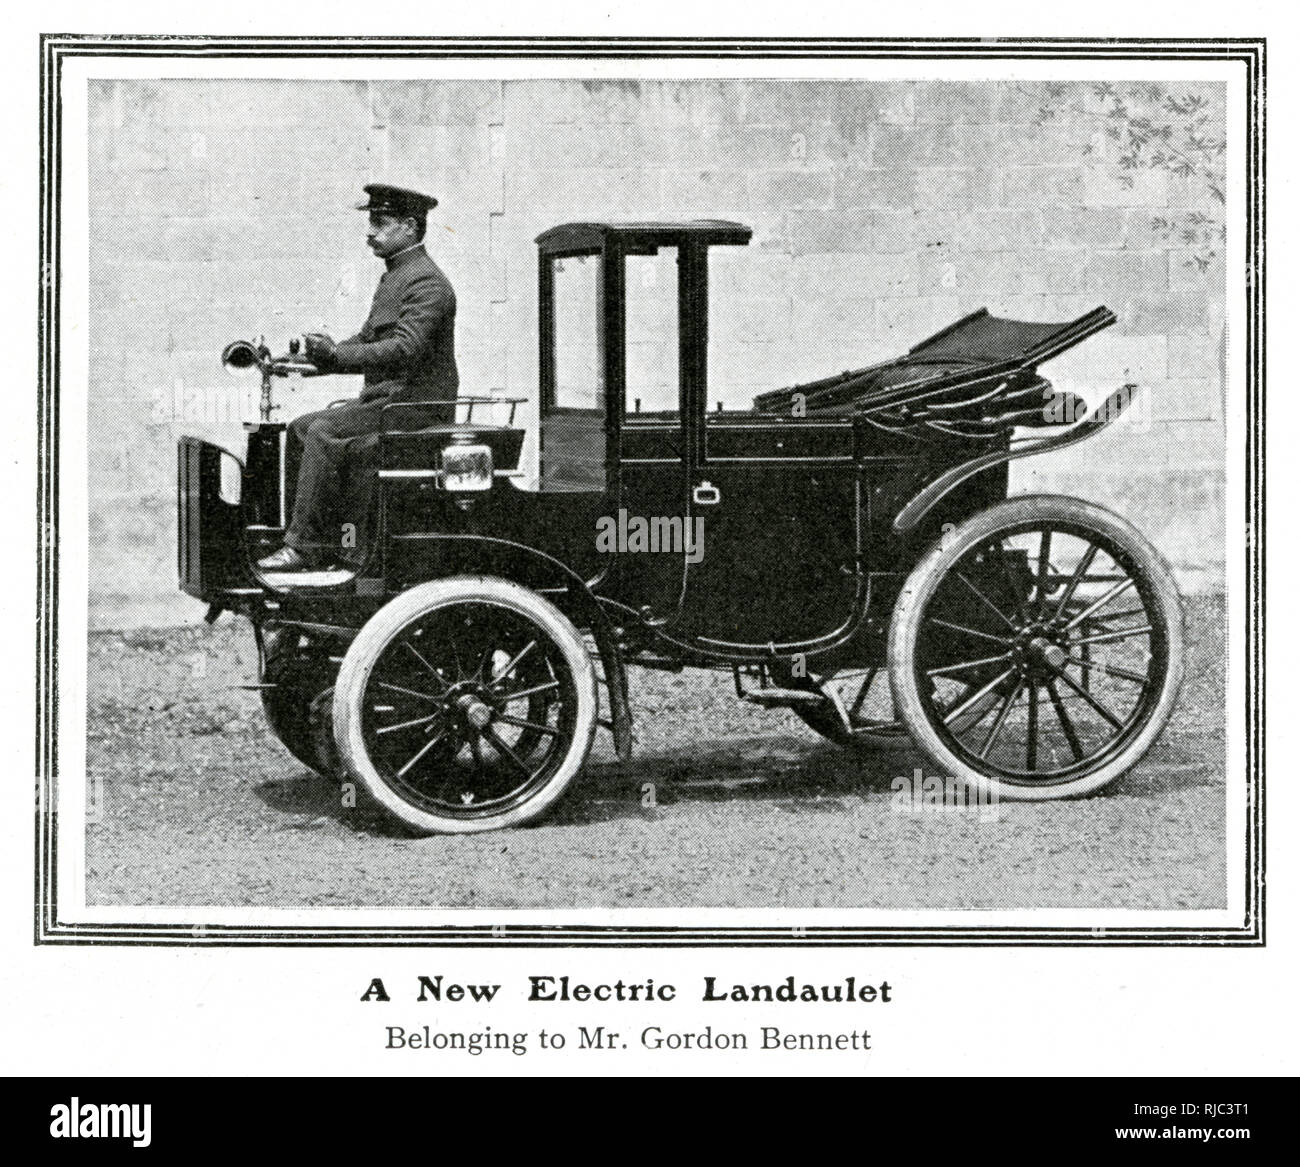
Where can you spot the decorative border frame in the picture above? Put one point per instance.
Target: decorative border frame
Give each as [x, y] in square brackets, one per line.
[55, 48]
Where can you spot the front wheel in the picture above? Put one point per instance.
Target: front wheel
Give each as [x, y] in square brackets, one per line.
[466, 704]
[1037, 650]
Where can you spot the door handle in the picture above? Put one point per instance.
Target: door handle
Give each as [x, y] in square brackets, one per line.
[706, 495]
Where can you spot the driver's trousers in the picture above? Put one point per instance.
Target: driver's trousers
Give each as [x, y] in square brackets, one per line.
[337, 456]
[333, 457]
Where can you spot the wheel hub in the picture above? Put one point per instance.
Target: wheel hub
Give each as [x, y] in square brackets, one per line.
[1038, 647]
[474, 711]
[1045, 652]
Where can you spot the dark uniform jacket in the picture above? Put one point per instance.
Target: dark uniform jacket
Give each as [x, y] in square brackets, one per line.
[406, 348]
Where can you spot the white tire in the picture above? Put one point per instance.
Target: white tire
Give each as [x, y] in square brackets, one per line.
[1027, 647]
[406, 687]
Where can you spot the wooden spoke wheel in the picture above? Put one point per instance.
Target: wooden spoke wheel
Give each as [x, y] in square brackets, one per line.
[1036, 652]
[466, 704]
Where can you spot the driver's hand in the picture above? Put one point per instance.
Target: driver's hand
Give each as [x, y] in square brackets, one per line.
[319, 349]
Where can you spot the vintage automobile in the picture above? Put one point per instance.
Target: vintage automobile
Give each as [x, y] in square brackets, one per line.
[837, 532]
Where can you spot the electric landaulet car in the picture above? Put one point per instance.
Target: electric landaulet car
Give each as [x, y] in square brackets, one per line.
[835, 536]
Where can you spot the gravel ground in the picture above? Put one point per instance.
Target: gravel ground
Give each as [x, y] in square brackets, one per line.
[204, 807]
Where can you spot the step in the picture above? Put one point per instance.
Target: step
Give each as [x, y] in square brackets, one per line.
[769, 696]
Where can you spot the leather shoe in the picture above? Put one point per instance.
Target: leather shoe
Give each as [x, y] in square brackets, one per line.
[288, 559]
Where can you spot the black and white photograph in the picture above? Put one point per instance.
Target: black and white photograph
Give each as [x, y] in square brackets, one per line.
[554, 493]
[668, 492]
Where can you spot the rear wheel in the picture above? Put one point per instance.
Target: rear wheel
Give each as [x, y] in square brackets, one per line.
[1036, 652]
[466, 704]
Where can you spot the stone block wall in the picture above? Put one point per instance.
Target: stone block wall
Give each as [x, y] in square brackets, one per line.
[881, 211]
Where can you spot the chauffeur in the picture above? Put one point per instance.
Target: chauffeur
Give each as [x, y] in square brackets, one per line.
[406, 352]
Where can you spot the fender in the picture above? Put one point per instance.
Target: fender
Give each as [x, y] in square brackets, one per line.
[925, 501]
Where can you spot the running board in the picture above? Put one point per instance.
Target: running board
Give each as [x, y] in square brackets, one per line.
[786, 697]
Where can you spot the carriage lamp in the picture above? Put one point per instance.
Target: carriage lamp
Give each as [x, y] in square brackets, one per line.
[466, 467]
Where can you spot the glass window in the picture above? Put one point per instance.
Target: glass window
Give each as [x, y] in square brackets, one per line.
[579, 378]
[652, 354]
[750, 345]
[573, 441]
